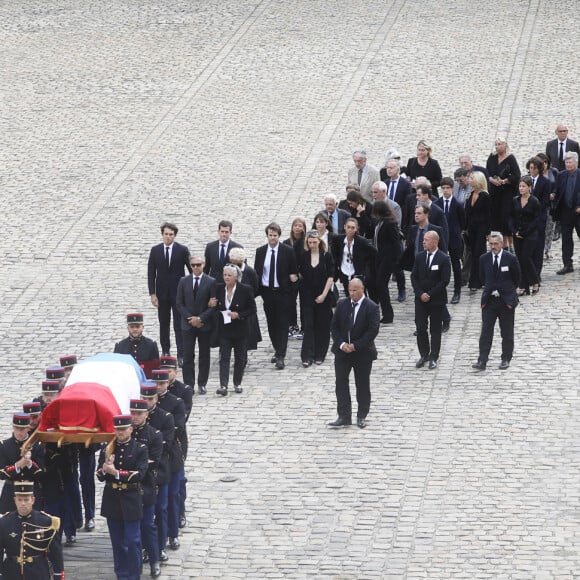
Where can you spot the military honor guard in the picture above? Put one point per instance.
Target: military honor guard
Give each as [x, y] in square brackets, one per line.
[68, 362]
[19, 465]
[33, 410]
[122, 471]
[50, 391]
[29, 540]
[153, 439]
[142, 349]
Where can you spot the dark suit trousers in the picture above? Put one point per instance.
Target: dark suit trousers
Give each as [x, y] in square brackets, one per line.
[164, 312]
[316, 327]
[525, 250]
[277, 310]
[429, 315]
[239, 345]
[189, 339]
[455, 257]
[383, 275]
[494, 310]
[568, 219]
[478, 245]
[361, 363]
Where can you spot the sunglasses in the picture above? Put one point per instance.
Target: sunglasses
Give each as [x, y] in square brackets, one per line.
[196, 265]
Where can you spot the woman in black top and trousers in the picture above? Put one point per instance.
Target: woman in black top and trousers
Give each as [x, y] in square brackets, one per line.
[316, 270]
[524, 221]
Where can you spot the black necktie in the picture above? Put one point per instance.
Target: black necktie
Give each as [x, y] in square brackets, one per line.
[392, 191]
[352, 311]
[428, 259]
[561, 156]
[446, 207]
[167, 256]
[272, 273]
[195, 287]
[223, 254]
[360, 176]
[495, 265]
[534, 184]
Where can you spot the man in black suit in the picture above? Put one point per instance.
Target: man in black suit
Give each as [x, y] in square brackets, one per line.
[455, 215]
[567, 208]
[436, 215]
[336, 215]
[193, 295]
[141, 348]
[277, 270]
[430, 277]
[166, 266]
[398, 188]
[500, 272]
[217, 252]
[354, 327]
[556, 149]
[353, 255]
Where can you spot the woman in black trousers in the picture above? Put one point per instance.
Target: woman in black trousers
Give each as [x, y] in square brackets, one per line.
[387, 240]
[296, 241]
[525, 219]
[478, 218]
[316, 270]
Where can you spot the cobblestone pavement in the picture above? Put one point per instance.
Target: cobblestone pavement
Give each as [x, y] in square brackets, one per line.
[119, 115]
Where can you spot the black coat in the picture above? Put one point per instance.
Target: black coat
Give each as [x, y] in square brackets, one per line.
[176, 407]
[363, 253]
[190, 305]
[363, 333]
[408, 257]
[152, 439]
[163, 421]
[163, 281]
[243, 303]
[213, 267]
[141, 349]
[285, 265]
[433, 280]
[505, 281]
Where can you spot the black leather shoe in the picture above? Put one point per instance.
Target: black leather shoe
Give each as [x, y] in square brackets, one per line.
[432, 364]
[341, 422]
[456, 298]
[402, 296]
[155, 570]
[421, 362]
[182, 521]
[274, 359]
[361, 422]
[306, 363]
[223, 391]
[445, 326]
[280, 363]
[479, 366]
[70, 541]
[89, 525]
[504, 365]
[238, 389]
[180, 362]
[565, 270]
[173, 543]
[386, 321]
[163, 557]
[202, 390]
[144, 556]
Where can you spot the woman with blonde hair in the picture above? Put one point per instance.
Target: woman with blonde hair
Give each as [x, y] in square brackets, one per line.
[425, 166]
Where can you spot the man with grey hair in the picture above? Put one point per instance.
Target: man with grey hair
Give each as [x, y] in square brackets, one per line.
[556, 149]
[336, 215]
[465, 162]
[363, 174]
[567, 207]
[379, 191]
[398, 188]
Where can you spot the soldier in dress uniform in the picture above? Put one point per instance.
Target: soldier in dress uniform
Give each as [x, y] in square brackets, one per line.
[153, 439]
[33, 410]
[56, 373]
[29, 540]
[50, 391]
[176, 407]
[163, 421]
[68, 362]
[122, 471]
[15, 465]
[184, 392]
[141, 348]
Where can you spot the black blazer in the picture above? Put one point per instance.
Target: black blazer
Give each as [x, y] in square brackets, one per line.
[363, 253]
[408, 258]
[436, 217]
[364, 331]
[478, 216]
[455, 221]
[433, 280]
[285, 265]
[188, 306]
[561, 183]
[343, 215]
[388, 242]
[213, 266]
[505, 282]
[403, 188]
[542, 191]
[525, 220]
[163, 281]
[432, 171]
[552, 151]
[243, 303]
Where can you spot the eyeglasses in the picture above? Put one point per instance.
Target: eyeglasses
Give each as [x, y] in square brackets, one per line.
[196, 265]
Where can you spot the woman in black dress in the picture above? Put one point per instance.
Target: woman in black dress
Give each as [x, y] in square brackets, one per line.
[525, 217]
[478, 218]
[316, 270]
[387, 240]
[504, 177]
[425, 166]
[296, 240]
[249, 277]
